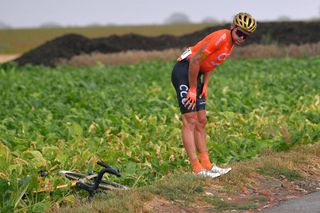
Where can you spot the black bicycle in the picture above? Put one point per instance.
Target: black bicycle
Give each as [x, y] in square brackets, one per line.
[95, 183]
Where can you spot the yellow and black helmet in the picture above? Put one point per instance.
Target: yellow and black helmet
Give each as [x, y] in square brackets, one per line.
[246, 22]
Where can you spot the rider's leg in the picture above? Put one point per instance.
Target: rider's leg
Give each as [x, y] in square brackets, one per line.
[189, 121]
[200, 139]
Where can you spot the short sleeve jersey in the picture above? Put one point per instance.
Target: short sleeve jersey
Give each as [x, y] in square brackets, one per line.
[217, 46]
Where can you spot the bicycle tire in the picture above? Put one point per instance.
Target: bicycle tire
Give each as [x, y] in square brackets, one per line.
[104, 184]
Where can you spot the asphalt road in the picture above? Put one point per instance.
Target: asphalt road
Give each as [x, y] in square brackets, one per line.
[307, 204]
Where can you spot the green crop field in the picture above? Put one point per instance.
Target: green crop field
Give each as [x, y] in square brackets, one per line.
[127, 116]
[13, 41]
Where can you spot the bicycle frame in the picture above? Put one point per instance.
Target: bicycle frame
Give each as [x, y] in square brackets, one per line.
[92, 189]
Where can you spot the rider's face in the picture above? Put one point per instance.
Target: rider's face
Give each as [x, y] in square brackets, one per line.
[239, 36]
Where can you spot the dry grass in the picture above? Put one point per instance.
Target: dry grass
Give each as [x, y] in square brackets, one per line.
[6, 58]
[129, 57]
[250, 51]
[276, 51]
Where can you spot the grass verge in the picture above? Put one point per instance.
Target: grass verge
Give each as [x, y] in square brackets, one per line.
[183, 191]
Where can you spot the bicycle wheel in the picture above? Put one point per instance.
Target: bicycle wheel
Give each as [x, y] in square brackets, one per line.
[104, 184]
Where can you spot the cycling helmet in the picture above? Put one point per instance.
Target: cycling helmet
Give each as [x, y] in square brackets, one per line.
[246, 22]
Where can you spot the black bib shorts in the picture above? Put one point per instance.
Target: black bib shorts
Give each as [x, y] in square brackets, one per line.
[180, 81]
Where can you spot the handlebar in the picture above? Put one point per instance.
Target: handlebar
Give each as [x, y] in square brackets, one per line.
[109, 169]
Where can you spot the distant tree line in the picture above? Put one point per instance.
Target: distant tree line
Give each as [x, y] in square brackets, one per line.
[181, 18]
[175, 18]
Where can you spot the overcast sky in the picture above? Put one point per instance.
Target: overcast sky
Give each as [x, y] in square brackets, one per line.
[33, 13]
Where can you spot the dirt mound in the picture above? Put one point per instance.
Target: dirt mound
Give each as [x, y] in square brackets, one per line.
[67, 46]
[62, 47]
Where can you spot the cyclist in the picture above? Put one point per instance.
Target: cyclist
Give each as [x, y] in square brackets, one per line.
[190, 78]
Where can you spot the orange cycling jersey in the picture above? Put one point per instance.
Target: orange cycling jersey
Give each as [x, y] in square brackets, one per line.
[217, 46]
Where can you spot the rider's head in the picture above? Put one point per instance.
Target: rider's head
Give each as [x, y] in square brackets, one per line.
[243, 25]
[245, 22]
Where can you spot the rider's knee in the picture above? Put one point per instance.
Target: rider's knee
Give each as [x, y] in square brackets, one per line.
[202, 121]
[189, 121]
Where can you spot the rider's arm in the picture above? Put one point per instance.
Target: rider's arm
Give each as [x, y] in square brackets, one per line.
[206, 78]
[194, 68]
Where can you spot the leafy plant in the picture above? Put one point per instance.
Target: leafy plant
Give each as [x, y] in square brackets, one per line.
[127, 116]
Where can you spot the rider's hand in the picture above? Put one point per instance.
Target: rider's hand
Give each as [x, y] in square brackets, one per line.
[204, 91]
[191, 98]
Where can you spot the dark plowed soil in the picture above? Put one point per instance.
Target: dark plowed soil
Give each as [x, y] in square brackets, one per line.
[64, 47]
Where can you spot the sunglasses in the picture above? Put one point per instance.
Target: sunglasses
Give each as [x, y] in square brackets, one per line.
[241, 34]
